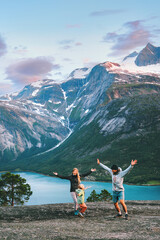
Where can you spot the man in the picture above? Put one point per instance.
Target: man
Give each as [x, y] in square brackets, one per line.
[117, 185]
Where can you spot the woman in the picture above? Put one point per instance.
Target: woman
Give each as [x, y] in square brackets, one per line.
[74, 181]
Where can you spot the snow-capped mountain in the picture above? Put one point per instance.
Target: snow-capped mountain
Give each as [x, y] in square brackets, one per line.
[94, 109]
[150, 55]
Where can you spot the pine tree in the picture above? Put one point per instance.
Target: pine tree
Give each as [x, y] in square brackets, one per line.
[103, 196]
[94, 197]
[13, 189]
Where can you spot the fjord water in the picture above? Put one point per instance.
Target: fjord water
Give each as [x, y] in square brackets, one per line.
[48, 190]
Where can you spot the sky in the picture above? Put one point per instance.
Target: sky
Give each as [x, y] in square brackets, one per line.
[42, 39]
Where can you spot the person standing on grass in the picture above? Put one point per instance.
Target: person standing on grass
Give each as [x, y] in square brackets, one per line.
[117, 185]
[80, 199]
[74, 181]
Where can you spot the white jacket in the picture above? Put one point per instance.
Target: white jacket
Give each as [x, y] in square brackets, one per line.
[117, 180]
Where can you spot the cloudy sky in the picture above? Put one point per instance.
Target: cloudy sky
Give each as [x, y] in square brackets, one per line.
[50, 38]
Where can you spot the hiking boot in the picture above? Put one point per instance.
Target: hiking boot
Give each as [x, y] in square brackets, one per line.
[80, 215]
[126, 216]
[119, 215]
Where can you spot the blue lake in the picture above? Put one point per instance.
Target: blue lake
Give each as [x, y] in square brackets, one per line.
[48, 190]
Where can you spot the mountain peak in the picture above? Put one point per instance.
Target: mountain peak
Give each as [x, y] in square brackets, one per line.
[148, 56]
[149, 45]
[110, 65]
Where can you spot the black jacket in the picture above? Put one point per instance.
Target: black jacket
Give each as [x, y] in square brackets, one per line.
[74, 180]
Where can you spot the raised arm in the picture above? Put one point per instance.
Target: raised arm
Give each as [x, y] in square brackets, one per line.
[60, 176]
[87, 173]
[104, 166]
[87, 187]
[133, 162]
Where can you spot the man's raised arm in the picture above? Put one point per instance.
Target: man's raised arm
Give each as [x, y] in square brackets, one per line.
[133, 162]
[104, 166]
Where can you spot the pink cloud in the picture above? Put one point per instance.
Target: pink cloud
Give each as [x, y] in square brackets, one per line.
[30, 70]
[3, 47]
[136, 36]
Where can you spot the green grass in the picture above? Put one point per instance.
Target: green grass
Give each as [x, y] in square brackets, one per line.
[153, 182]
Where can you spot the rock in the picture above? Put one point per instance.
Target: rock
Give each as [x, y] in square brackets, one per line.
[57, 221]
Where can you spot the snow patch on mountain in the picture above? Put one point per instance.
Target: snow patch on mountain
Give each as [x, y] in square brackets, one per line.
[37, 84]
[36, 104]
[70, 107]
[35, 92]
[79, 73]
[14, 94]
[129, 67]
[64, 94]
[41, 83]
[5, 97]
[39, 145]
[122, 108]
[86, 111]
[56, 103]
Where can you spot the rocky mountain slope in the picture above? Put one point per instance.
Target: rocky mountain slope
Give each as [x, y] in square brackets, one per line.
[37, 117]
[111, 111]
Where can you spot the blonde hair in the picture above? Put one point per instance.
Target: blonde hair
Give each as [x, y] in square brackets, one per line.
[81, 186]
[78, 176]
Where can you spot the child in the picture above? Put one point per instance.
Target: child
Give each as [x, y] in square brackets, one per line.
[80, 199]
[117, 185]
[75, 180]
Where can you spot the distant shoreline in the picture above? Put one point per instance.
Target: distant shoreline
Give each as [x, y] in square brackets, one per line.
[47, 175]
